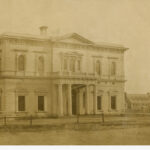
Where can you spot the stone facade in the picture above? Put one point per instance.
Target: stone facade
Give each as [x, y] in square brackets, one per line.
[60, 76]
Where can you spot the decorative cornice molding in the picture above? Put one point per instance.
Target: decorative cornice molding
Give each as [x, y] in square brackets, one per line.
[21, 90]
[20, 50]
[86, 46]
[28, 42]
[40, 91]
[40, 51]
[112, 57]
[97, 56]
[72, 53]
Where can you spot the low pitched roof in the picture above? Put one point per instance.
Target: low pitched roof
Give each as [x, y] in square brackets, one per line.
[23, 36]
[75, 36]
[88, 42]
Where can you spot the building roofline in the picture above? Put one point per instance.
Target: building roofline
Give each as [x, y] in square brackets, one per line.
[58, 39]
[24, 36]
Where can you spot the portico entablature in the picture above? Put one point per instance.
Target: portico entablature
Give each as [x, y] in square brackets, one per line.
[74, 81]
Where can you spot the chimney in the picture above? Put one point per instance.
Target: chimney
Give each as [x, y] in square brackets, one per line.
[43, 30]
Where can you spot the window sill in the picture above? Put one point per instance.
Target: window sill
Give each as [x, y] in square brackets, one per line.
[99, 110]
[113, 110]
[21, 112]
[41, 112]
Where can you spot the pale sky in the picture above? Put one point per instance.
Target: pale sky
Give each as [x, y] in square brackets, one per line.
[124, 22]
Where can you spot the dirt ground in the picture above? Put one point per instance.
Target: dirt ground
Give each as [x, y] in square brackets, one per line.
[103, 136]
[115, 131]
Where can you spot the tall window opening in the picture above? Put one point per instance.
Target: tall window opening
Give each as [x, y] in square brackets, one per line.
[113, 68]
[21, 103]
[98, 67]
[113, 102]
[72, 65]
[99, 102]
[65, 64]
[41, 64]
[21, 63]
[79, 65]
[41, 103]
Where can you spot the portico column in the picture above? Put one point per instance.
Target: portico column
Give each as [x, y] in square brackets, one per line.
[80, 101]
[95, 99]
[87, 99]
[69, 100]
[60, 100]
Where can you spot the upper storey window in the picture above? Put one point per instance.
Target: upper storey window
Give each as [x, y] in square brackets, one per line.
[72, 65]
[65, 64]
[71, 62]
[41, 64]
[98, 67]
[21, 63]
[113, 68]
[79, 65]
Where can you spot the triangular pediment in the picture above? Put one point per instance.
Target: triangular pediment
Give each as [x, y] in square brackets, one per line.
[74, 38]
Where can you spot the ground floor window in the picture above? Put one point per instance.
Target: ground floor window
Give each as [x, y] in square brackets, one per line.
[113, 102]
[41, 105]
[99, 102]
[84, 100]
[21, 103]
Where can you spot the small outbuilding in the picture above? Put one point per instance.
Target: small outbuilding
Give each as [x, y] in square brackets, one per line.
[137, 102]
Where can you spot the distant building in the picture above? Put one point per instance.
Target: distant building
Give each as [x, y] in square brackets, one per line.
[137, 102]
[58, 76]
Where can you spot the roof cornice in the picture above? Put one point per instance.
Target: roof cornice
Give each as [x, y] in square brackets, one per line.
[51, 39]
[24, 37]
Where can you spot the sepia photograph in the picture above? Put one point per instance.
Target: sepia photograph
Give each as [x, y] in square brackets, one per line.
[74, 72]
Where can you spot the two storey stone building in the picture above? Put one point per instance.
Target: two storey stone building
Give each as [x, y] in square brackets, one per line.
[60, 76]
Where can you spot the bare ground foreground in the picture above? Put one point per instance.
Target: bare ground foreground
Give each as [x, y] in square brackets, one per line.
[127, 136]
[114, 131]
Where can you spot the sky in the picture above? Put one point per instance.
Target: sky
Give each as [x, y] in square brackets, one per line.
[124, 22]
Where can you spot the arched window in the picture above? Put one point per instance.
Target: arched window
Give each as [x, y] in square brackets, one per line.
[21, 63]
[98, 67]
[65, 64]
[72, 65]
[113, 68]
[41, 64]
[79, 65]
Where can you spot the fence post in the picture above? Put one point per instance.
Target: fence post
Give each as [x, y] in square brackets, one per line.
[103, 117]
[31, 120]
[5, 121]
